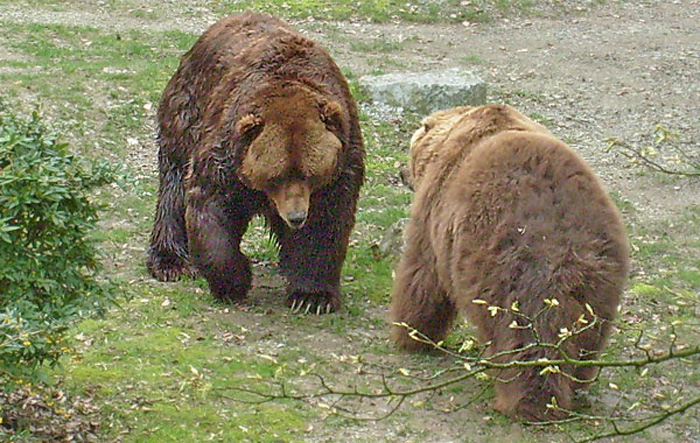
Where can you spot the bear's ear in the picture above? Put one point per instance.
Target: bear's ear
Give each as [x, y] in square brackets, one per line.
[332, 114]
[428, 124]
[248, 124]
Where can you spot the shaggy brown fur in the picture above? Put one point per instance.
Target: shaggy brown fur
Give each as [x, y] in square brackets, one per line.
[506, 213]
[257, 120]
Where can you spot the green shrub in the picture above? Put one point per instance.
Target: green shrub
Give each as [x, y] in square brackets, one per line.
[48, 265]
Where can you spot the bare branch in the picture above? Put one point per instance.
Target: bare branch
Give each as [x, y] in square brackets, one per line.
[385, 384]
[640, 154]
[651, 422]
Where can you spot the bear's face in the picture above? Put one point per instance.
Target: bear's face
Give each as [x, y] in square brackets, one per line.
[293, 149]
[427, 140]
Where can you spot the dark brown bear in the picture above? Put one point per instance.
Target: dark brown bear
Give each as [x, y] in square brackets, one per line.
[258, 119]
[512, 227]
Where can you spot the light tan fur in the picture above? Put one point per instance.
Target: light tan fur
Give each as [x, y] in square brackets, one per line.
[506, 214]
[290, 143]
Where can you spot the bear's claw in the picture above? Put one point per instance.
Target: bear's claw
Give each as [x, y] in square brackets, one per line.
[170, 269]
[310, 305]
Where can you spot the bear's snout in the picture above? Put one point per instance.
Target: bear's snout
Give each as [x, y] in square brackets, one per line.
[296, 219]
[292, 202]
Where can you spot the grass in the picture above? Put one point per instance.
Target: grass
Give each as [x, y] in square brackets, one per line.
[99, 84]
[161, 376]
[377, 11]
[659, 308]
[377, 46]
[165, 365]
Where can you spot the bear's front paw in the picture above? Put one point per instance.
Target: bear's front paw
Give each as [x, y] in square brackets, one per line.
[169, 268]
[313, 303]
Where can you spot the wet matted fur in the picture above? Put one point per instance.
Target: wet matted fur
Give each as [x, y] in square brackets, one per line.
[258, 119]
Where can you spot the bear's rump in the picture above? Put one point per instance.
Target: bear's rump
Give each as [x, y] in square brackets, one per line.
[526, 207]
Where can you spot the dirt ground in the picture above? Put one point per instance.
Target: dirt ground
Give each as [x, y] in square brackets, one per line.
[614, 70]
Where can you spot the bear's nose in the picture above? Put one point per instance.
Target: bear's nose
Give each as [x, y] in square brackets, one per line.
[296, 219]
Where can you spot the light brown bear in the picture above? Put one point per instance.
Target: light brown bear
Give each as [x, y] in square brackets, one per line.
[258, 119]
[512, 227]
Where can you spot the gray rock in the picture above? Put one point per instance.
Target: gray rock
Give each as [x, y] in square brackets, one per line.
[393, 241]
[426, 92]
